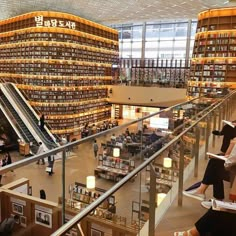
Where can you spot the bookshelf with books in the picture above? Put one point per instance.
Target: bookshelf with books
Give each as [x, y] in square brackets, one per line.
[62, 64]
[213, 64]
[86, 196]
[113, 168]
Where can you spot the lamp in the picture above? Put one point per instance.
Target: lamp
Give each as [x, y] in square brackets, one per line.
[90, 182]
[167, 162]
[116, 152]
[160, 198]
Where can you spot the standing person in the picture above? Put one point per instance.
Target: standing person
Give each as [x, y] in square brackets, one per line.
[42, 122]
[42, 194]
[2, 145]
[7, 225]
[50, 164]
[8, 159]
[3, 163]
[40, 150]
[95, 148]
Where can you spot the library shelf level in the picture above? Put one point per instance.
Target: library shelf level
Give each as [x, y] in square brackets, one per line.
[62, 64]
[113, 168]
[213, 64]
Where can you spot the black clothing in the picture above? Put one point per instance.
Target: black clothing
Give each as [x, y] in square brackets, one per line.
[50, 164]
[217, 223]
[42, 122]
[229, 133]
[42, 194]
[214, 175]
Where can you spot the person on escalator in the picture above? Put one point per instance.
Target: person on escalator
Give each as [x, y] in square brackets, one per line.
[42, 122]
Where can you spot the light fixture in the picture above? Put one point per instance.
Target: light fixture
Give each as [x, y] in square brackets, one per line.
[160, 198]
[167, 162]
[116, 152]
[90, 182]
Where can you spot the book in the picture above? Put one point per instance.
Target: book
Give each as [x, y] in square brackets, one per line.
[228, 123]
[219, 205]
[217, 156]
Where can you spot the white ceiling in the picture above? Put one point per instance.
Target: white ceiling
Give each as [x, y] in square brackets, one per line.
[115, 11]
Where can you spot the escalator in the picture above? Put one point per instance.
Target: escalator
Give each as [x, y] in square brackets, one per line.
[17, 121]
[20, 101]
[45, 136]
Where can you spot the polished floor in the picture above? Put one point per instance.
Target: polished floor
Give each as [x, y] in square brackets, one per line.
[81, 163]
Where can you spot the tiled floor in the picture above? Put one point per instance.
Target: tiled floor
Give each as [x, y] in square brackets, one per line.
[81, 163]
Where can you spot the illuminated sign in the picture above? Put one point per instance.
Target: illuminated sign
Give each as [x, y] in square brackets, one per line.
[40, 22]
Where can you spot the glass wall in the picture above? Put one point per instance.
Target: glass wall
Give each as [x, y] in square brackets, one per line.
[163, 40]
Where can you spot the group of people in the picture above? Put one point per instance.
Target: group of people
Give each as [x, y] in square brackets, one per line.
[214, 222]
[93, 129]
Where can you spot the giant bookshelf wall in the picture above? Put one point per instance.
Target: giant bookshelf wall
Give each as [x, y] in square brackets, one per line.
[213, 65]
[62, 64]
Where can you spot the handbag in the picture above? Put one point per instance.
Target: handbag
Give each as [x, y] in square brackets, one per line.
[231, 160]
[48, 169]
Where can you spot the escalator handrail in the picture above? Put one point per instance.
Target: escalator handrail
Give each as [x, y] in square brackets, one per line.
[30, 119]
[26, 138]
[35, 110]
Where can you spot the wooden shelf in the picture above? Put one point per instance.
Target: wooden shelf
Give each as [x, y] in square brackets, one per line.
[62, 64]
[112, 168]
[214, 53]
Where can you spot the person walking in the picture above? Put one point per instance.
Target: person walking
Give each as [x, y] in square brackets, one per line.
[51, 160]
[95, 148]
[40, 151]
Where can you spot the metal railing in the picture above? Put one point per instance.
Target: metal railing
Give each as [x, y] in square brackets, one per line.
[224, 108]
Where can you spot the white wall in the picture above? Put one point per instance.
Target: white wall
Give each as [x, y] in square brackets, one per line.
[150, 96]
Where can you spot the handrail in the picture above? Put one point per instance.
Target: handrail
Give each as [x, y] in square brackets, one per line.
[29, 118]
[117, 186]
[67, 146]
[7, 110]
[93, 205]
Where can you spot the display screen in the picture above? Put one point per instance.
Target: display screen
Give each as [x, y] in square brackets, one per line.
[160, 123]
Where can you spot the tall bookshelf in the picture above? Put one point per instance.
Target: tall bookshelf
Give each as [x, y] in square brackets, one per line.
[62, 64]
[213, 64]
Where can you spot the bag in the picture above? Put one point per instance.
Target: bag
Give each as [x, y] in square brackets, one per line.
[230, 163]
[48, 169]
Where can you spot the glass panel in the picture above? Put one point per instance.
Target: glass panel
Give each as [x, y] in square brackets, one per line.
[152, 32]
[181, 30]
[167, 31]
[126, 53]
[193, 29]
[136, 49]
[126, 33]
[119, 151]
[137, 33]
